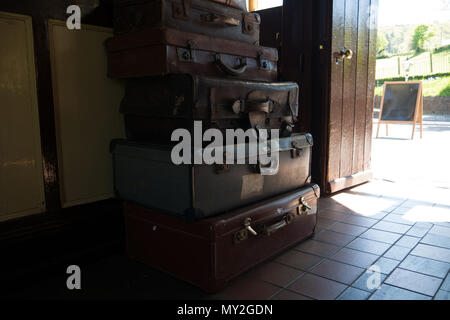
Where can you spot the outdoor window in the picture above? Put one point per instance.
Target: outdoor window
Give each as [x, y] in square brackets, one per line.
[254, 5]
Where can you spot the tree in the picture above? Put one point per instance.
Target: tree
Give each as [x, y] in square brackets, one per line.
[381, 43]
[421, 34]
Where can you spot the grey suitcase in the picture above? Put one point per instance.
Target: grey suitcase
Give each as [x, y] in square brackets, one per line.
[145, 175]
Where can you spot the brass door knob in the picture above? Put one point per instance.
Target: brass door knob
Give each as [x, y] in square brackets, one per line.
[343, 54]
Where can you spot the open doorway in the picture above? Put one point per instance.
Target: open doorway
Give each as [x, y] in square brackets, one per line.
[414, 45]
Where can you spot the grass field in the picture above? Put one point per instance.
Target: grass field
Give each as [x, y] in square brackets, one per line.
[439, 87]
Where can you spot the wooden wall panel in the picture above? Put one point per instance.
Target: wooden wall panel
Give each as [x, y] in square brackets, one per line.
[86, 112]
[335, 102]
[361, 87]
[348, 103]
[21, 179]
[371, 65]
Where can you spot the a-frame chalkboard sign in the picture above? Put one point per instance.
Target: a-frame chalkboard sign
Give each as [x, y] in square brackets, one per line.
[402, 102]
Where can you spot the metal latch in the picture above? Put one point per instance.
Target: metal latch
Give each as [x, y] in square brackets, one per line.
[186, 54]
[305, 206]
[262, 62]
[242, 235]
[181, 10]
[297, 150]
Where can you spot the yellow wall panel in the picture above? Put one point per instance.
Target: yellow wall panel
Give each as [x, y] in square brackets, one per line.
[86, 112]
[21, 180]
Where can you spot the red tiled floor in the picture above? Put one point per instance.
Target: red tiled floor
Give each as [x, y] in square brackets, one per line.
[426, 266]
[382, 236]
[289, 295]
[391, 227]
[414, 281]
[333, 215]
[398, 218]
[246, 288]
[317, 248]
[436, 240]
[387, 292]
[337, 271]
[338, 239]
[369, 246]
[347, 229]
[386, 265]
[407, 242]
[355, 258]
[397, 253]
[317, 287]
[354, 294]
[299, 260]
[360, 221]
[276, 274]
[431, 252]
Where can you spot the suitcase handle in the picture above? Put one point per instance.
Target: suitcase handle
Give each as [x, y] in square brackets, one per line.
[231, 71]
[214, 18]
[279, 225]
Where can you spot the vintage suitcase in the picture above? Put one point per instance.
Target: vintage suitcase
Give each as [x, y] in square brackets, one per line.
[163, 51]
[146, 175]
[211, 18]
[154, 107]
[211, 252]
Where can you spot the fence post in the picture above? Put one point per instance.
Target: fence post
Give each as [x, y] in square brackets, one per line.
[431, 63]
[398, 64]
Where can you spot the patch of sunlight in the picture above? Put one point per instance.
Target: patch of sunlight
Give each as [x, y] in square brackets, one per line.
[427, 214]
[365, 205]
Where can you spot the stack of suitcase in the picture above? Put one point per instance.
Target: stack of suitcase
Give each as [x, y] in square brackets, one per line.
[200, 60]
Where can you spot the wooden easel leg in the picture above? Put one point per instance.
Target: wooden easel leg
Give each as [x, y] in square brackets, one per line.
[378, 129]
[387, 130]
[414, 129]
[421, 117]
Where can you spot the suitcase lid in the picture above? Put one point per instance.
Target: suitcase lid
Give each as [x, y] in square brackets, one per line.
[242, 151]
[194, 41]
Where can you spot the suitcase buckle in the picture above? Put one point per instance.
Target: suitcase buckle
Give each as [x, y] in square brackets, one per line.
[186, 54]
[297, 150]
[305, 206]
[262, 62]
[242, 235]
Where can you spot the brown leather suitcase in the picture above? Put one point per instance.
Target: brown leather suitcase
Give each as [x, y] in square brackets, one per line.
[212, 18]
[209, 253]
[154, 107]
[163, 51]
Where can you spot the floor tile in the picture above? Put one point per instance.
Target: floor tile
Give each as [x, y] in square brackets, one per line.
[369, 246]
[397, 253]
[298, 260]
[276, 274]
[417, 231]
[360, 221]
[354, 294]
[407, 242]
[289, 295]
[347, 229]
[317, 248]
[338, 239]
[442, 295]
[414, 281]
[317, 287]
[333, 215]
[386, 265]
[377, 216]
[382, 236]
[387, 292]
[431, 252]
[446, 285]
[391, 227]
[426, 266]
[367, 281]
[324, 223]
[440, 231]
[436, 240]
[355, 258]
[397, 218]
[337, 271]
[249, 289]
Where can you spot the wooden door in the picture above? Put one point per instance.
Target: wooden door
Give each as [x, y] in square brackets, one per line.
[348, 128]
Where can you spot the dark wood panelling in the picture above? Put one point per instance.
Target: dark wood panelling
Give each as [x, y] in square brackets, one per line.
[334, 104]
[361, 87]
[371, 64]
[349, 94]
[96, 12]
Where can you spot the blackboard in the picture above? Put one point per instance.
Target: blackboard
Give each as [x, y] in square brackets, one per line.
[400, 101]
